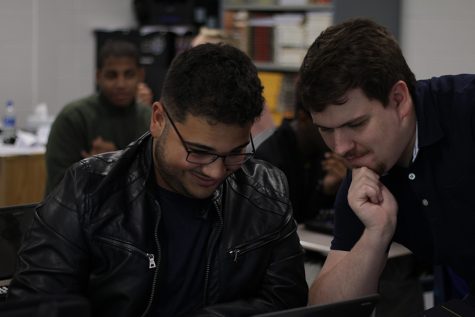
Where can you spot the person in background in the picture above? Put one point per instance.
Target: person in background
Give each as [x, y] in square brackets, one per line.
[105, 121]
[181, 222]
[313, 172]
[144, 94]
[411, 146]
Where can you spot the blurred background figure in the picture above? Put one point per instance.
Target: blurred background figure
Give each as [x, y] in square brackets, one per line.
[313, 172]
[105, 121]
[144, 94]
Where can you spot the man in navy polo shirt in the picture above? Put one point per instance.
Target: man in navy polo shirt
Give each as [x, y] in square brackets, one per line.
[411, 145]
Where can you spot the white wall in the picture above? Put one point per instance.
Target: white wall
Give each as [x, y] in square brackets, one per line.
[438, 36]
[48, 49]
[47, 46]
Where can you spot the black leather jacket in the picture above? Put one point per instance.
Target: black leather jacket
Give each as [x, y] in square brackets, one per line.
[96, 235]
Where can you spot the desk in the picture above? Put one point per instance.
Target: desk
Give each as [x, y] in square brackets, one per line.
[22, 175]
[320, 242]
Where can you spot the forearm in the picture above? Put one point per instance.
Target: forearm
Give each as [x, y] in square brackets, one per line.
[354, 274]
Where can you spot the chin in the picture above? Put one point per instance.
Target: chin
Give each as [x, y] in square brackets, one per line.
[123, 104]
[378, 168]
[198, 192]
[202, 194]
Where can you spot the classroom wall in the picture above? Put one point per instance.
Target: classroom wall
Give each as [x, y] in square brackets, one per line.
[48, 49]
[47, 46]
[438, 36]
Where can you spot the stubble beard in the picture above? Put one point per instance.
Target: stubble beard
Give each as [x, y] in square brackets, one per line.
[166, 173]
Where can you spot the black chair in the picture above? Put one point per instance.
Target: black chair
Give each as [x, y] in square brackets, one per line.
[14, 222]
[47, 306]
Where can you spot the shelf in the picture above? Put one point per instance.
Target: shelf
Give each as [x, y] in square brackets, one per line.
[277, 8]
[273, 67]
[276, 38]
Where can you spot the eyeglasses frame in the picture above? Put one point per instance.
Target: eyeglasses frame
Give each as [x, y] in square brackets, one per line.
[247, 155]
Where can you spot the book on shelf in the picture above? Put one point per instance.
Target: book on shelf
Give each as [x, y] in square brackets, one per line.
[292, 2]
[289, 38]
[236, 25]
[316, 23]
[272, 83]
[251, 2]
[279, 94]
[262, 32]
[279, 38]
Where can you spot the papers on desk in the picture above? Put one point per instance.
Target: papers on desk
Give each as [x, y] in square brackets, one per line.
[26, 143]
[18, 149]
[28, 139]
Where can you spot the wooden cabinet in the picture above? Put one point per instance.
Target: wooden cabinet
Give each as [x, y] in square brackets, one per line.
[22, 178]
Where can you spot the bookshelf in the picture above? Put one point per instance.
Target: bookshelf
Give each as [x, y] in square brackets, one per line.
[278, 8]
[276, 35]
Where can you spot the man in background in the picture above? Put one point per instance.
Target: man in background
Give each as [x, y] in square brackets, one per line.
[313, 172]
[107, 120]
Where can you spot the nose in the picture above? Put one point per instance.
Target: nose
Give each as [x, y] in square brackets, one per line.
[342, 143]
[120, 82]
[215, 170]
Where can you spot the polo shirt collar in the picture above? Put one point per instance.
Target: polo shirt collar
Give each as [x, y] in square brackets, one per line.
[428, 127]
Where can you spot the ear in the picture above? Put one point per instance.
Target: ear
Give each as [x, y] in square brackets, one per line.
[157, 121]
[400, 98]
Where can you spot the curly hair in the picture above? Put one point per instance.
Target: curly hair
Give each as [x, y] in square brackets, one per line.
[358, 53]
[215, 81]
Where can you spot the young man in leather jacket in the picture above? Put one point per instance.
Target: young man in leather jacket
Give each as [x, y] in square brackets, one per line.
[181, 222]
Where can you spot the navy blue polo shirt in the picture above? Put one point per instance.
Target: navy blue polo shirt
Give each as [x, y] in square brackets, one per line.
[436, 194]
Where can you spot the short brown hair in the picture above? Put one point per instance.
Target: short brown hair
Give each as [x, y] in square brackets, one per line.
[358, 53]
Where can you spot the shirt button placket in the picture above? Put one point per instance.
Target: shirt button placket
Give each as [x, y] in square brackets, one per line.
[424, 201]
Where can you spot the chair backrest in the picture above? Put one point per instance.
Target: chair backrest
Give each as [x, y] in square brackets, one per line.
[47, 306]
[14, 222]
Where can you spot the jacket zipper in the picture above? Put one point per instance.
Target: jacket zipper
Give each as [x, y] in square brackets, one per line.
[155, 275]
[242, 249]
[210, 255]
[238, 251]
[123, 245]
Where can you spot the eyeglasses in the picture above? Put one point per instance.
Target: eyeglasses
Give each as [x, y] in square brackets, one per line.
[205, 158]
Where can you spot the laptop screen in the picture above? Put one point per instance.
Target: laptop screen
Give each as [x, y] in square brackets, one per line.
[359, 307]
[14, 221]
